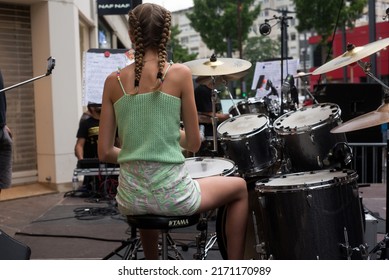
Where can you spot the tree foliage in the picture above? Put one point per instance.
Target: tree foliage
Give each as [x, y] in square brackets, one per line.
[218, 22]
[179, 53]
[322, 15]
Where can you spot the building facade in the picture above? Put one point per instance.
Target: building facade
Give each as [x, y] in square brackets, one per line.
[45, 113]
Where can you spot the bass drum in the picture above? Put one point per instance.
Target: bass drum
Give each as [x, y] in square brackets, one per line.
[312, 215]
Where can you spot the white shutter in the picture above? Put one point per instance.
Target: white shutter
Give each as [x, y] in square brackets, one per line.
[16, 66]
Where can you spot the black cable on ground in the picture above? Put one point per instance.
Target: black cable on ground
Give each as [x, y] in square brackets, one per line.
[67, 236]
[93, 213]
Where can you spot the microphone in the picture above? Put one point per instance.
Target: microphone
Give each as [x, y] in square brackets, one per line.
[288, 84]
[341, 154]
[387, 14]
[265, 28]
[287, 87]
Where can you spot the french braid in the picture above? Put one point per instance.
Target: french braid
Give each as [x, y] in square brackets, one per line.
[150, 26]
[162, 53]
[139, 50]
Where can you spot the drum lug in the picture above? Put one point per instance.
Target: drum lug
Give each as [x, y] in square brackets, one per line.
[261, 251]
[356, 191]
[224, 146]
[319, 162]
[262, 201]
[247, 144]
[312, 136]
[309, 200]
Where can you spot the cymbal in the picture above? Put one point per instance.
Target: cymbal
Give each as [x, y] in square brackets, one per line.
[377, 117]
[301, 75]
[219, 79]
[351, 56]
[217, 66]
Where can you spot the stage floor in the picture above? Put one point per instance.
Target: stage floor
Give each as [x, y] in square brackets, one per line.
[56, 226]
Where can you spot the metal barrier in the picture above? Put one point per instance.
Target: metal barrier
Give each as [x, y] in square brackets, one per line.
[369, 160]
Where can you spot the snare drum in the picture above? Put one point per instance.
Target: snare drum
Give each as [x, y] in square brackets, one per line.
[305, 136]
[201, 167]
[312, 215]
[247, 140]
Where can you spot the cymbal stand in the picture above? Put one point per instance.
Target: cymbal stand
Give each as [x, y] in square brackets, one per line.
[231, 97]
[366, 66]
[214, 119]
[305, 86]
[384, 244]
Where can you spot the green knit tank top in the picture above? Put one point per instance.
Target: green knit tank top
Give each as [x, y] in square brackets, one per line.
[148, 127]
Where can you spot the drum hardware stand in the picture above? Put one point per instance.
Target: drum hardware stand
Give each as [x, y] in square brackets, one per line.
[131, 246]
[214, 118]
[366, 66]
[231, 97]
[305, 87]
[259, 247]
[380, 246]
[50, 67]
[202, 246]
[348, 250]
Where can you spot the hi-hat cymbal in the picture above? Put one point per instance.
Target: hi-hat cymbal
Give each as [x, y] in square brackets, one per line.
[351, 56]
[377, 117]
[220, 79]
[217, 66]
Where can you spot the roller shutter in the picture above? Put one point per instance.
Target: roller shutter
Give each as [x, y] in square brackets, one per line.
[16, 66]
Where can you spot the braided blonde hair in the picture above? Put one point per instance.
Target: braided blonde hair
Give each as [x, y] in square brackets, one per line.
[149, 24]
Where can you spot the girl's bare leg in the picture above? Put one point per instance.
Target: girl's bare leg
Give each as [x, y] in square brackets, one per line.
[232, 192]
[149, 238]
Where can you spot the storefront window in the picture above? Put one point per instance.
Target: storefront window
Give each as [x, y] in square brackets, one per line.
[105, 37]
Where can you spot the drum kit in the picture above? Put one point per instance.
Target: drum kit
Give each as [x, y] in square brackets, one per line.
[303, 198]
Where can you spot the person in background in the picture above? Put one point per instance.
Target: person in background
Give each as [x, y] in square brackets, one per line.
[5, 142]
[203, 99]
[87, 138]
[146, 101]
[88, 134]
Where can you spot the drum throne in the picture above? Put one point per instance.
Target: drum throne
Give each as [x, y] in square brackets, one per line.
[163, 223]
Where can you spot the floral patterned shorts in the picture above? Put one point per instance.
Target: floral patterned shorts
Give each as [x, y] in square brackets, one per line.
[157, 188]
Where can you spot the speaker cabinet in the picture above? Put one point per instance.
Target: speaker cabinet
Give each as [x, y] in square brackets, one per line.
[354, 100]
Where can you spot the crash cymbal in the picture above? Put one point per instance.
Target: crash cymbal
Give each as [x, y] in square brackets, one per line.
[217, 66]
[352, 55]
[377, 117]
[219, 79]
[301, 75]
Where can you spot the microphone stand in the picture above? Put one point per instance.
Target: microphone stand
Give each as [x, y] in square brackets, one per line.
[284, 48]
[214, 118]
[50, 67]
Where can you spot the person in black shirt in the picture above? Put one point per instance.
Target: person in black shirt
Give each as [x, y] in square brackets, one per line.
[87, 139]
[203, 98]
[88, 134]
